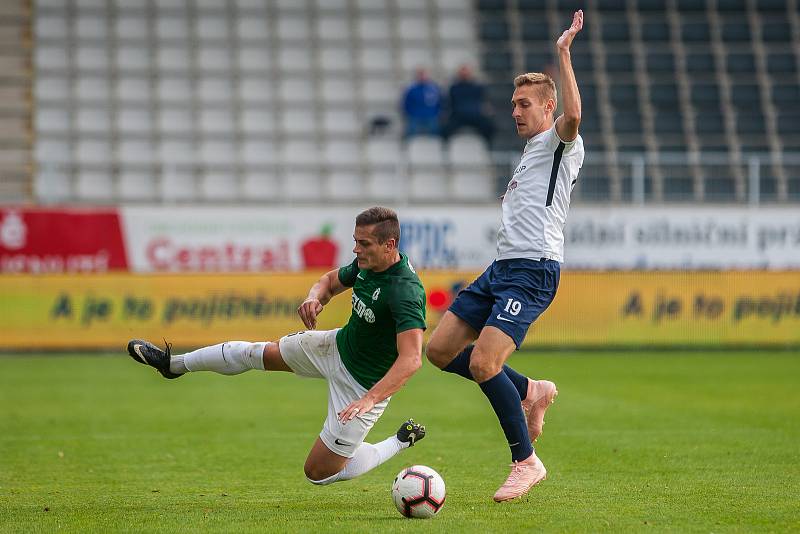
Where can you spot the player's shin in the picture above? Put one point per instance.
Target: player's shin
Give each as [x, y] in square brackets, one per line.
[229, 358]
[505, 401]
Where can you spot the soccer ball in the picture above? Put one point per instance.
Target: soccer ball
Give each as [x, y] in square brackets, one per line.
[418, 491]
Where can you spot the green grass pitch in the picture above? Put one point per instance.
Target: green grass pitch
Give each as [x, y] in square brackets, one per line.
[636, 441]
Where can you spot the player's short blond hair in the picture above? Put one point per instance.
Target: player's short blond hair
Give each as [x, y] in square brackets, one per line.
[543, 83]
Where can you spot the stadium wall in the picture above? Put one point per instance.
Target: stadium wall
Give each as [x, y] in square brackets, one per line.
[659, 309]
[91, 278]
[249, 239]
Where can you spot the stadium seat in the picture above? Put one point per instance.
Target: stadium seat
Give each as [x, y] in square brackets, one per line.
[337, 153]
[346, 185]
[467, 150]
[473, 185]
[137, 185]
[95, 185]
[736, 31]
[655, 30]
[430, 185]
[776, 30]
[425, 151]
[176, 152]
[259, 184]
[178, 184]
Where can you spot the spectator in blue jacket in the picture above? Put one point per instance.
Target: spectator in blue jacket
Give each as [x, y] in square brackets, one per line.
[422, 105]
[468, 107]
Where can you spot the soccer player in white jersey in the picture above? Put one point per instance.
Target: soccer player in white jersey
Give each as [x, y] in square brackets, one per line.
[364, 363]
[489, 319]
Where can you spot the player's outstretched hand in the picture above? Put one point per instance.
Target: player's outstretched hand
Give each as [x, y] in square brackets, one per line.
[356, 408]
[308, 312]
[565, 41]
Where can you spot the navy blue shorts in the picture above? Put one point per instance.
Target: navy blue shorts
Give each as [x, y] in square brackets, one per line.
[509, 295]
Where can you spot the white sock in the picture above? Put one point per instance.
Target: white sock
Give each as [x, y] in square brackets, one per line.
[229, 358]
[366, 458]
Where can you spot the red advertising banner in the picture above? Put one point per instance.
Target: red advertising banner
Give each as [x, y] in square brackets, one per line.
[61, 241]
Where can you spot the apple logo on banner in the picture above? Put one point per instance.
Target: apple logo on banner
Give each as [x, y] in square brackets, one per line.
[13, 231]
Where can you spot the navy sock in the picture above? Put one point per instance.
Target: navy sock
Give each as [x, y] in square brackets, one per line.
[460, 366]
[520, 381]
[505, 401]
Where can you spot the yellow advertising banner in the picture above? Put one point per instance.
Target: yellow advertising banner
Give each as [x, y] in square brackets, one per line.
[704, 309]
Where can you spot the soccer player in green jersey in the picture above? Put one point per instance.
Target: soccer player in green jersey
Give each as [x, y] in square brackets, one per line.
[364, 362]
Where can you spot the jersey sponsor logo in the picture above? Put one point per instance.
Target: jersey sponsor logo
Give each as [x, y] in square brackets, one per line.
[359, 276]
[343, 443]
[506, 319]
[376, 294]
[519, 169]
[361, 309]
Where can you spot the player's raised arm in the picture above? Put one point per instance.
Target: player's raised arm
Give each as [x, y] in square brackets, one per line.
[567, 124]
[327, 287]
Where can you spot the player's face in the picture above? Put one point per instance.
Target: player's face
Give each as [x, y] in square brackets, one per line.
[370, 254]
[532, 114]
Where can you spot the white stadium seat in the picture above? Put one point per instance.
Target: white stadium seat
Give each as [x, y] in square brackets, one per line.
[176, 121]
[473, 185]
[217, 152]
[137, 185]
[134, 120]
[132, 26]
[136, 151]
[341, 154]
[254, 59]
[260, 184]
[95, 89]
[219, 185]
[256, 89]
[258, 121]
[93, 120]
[430, 185]
[50, 27]
[133, 89]
[258, 152]
[52, 88]
[176, 152]
[93, 151]
[217, 121]
[52, 120]
[346, 185]
[95, 185]
[332, 29]
[303, 185]
[468, 150]
[178, 184]
[296, 90]
[173, 58]
[425, 151]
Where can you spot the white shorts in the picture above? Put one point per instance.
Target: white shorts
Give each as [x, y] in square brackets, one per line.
[314, 354]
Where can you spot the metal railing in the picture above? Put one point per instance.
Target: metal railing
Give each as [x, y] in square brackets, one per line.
[642, 178]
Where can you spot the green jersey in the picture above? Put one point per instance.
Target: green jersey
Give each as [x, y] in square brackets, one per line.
[384, 304]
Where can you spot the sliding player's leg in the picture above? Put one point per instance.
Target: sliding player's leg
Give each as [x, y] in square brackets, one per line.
[229, 358]
[323, 466]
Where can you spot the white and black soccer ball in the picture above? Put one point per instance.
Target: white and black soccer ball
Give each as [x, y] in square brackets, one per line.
[418, 491]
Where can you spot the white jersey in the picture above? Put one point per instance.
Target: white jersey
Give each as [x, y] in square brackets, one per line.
[536, 202]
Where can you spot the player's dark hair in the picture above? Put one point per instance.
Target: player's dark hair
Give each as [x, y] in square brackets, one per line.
[387, 226]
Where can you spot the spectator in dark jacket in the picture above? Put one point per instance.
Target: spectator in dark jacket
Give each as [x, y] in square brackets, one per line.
[422, 105]
[467, 106]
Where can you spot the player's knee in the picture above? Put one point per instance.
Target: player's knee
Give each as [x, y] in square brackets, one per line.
[482, 369]
[319, 476]
[438, 354]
